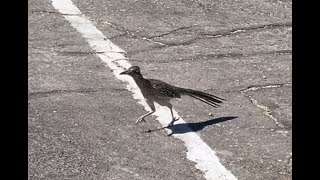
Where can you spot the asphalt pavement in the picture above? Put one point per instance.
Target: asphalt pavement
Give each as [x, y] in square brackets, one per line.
[81, 117]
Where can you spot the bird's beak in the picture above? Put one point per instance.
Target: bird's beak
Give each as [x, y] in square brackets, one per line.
[124, 72]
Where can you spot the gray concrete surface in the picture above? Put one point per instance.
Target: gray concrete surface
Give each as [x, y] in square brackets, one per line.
[81, 119]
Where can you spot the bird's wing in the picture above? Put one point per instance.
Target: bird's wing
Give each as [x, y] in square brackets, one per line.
[164, 90]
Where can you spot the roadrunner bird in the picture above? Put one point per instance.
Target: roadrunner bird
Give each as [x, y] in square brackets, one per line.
[157, 91]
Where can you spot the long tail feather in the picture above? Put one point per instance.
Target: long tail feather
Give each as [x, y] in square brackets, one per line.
[205, 101]
[209, 99]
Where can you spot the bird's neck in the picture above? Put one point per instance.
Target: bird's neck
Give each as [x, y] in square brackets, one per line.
[137, 76]
[140, 80]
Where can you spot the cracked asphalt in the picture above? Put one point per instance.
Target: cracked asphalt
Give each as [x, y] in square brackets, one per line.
[81, 118]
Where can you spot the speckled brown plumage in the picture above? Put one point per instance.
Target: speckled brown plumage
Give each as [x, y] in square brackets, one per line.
[158, 91]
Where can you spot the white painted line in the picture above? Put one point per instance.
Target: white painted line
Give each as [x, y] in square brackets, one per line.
[198, 151]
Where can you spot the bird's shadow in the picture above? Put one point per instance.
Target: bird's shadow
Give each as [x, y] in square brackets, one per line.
[193, 127]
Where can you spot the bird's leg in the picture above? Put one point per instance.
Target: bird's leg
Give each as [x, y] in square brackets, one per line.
[153, 109]
[173, 118]
[141, 118]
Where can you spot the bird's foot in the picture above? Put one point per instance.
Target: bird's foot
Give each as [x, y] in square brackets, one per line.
[140, 119]
[173, 120]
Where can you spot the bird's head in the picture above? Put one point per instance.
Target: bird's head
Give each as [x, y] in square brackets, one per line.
[132, 71]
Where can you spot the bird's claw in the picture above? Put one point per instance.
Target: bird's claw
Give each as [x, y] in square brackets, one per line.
[140, 120]
[173, 120]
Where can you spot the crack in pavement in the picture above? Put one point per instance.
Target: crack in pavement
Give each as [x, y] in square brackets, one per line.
[250, 88]
[43, 11]
[267, 86]
[170, 32]
[266, 110]
[234, 55]
[165, 45]
[51, 12]
[48, 49]
[126, 31]
[32, 95]
[117, 36]
[45, 93]
[78, 52]
[245, 29]
[150, 39]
